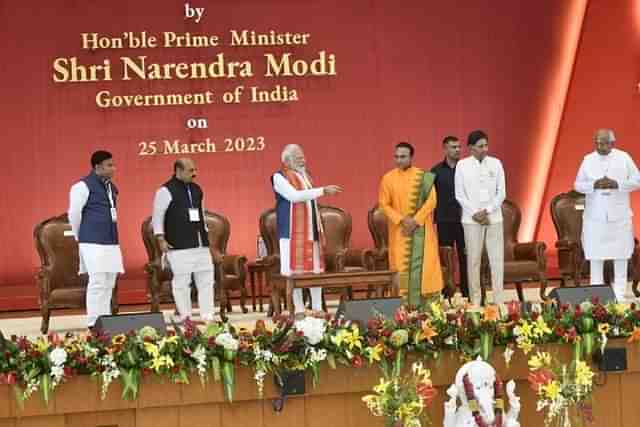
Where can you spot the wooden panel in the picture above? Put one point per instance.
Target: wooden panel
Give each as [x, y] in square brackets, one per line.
[208, 415]
[358, 415]
[196, 393]
[79, 395]
[8, 423]
[330, 380]
[158, 417]
[607, 405]
[6, 409]
[327, 410]
[46, 421]
[126, 418]
[113, 399]
[529, 417]
[246, 387]
[154, 393]
[292, 413]
[35, 405]
[630, 388]
[242, 414]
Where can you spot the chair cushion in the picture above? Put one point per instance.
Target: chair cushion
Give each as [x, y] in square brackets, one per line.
[515, 271]
[68, 297]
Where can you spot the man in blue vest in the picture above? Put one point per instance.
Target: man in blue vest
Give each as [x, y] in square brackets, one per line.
[179, 225]
[300, 232]
[94, 223]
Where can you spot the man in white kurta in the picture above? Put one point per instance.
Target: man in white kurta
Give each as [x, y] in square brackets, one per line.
[179, 225]
[294, 161]
[480, 189]
[93, 219]
[607, 176]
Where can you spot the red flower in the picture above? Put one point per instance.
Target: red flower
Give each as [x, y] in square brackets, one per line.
[559, 331]
[401, 316]
[373, 325]
[357, 361]
[539, 379]
[427, 392]
[146, 371]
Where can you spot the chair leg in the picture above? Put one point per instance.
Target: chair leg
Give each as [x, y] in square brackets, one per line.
[228, 302]
[634, 288]
[520, 292]
[243, 297]
[543, 288]
[324, 304]
[275, 302]
[46, 314]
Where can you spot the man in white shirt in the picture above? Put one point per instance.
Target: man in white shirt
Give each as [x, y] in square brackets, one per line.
[606, 177]
[179, 225]
[480, 189]
[93, 218]
[297, 212]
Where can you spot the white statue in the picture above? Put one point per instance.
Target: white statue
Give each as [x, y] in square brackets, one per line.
[475, 387]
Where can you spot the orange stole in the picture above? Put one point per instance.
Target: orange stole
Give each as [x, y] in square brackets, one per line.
[300, 246]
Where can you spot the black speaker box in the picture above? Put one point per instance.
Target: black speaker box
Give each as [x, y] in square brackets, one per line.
[123, 323]
[579, 294]
[361, 310]
[612, 360]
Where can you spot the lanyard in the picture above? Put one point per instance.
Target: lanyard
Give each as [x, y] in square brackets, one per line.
[189, 194]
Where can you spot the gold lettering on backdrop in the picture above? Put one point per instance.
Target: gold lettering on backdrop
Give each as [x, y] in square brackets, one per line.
[291, 63]
[324, 65]
[153, 71]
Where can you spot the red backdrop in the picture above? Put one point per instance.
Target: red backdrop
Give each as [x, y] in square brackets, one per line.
[414, 72]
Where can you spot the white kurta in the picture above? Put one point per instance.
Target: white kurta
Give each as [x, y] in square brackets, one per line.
[480, 185]
[94, 258]
[607, 226]
[283, 187]
[181, 261]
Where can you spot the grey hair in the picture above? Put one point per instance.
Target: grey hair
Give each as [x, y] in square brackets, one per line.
[611, 137]
[287, 152]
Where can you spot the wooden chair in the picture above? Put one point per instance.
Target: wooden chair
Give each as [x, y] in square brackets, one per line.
[58, 280]
[378, 258]
[338, 256]
[566, 213]
[230, 270]
[523, 262]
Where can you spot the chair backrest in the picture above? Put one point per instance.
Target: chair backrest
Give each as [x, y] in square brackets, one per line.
[336, 222]
[219, 231]
[567, 220]
[511, 219]
[377, 222]
[58, 251]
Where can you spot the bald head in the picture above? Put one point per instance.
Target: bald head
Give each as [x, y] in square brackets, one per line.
[604, 140]
[185, 169]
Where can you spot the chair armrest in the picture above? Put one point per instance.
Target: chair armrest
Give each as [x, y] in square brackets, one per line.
[567, 245]
[530, 251]
[43, 277]
[355, 258]
[234, 264]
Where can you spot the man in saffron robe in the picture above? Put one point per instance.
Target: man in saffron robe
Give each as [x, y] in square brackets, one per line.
[408, 198]
[300, 231]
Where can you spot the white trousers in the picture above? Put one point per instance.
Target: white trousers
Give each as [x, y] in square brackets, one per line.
[476, 238]
[619, 275]
[99, 294]
[182, 293]
[285, 270]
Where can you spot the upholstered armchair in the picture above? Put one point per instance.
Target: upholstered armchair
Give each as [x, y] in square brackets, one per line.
[523, 262]
[60, 284]
[230, 273]
[338, 256]
[566, 213]
[378, 258]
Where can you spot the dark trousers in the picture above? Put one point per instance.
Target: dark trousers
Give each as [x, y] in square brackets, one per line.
[452, 234]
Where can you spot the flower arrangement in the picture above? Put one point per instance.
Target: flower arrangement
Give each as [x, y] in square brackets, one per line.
[561, 387]
[402, 400]
[44, 364]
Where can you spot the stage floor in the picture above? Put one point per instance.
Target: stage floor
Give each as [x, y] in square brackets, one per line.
[63, 321]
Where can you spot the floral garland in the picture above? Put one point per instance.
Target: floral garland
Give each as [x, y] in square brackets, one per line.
[498, 405]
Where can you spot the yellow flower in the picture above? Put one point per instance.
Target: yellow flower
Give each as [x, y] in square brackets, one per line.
[603, 328]
[436, 311]
[539, 360]
[619, 309]
[41, 345]
[375, 353]
[118, 339]
[151, 349]
[584, 374]
[526, 346]
[525, 329]
[351, 338]
[382, 387]
[409, 410]
[541, 328]
[551, 391]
